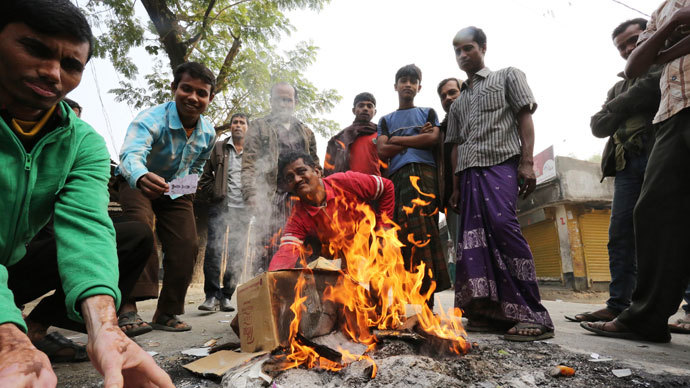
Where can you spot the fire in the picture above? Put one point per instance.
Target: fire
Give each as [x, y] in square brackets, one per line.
[342, 145]
[375, 288]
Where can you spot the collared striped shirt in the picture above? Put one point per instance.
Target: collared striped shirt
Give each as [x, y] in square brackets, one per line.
[675, 78]
[483, 119]
[156, 142]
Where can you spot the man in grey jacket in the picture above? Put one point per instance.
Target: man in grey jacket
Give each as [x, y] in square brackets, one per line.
[227, 217]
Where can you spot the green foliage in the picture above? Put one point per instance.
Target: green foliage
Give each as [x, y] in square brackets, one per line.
[235, 38]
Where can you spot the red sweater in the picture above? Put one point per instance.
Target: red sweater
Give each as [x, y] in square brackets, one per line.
[307, 220]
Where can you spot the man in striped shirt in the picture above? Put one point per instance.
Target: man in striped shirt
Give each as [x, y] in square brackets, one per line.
[491, 126]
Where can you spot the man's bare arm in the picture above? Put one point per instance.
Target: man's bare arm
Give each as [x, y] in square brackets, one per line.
[526, 177]
[385, 149]
[428, 138]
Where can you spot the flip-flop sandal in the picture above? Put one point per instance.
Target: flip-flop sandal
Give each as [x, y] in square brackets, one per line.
[588, 317]
[167, 322]
[132, 318]
[624, 334]
[54, 342]
[489, 328]
[546, 333]
[677, 329]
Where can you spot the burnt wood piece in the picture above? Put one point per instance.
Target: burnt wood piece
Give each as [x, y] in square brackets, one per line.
[322, 350]
[225, 346]
[399, 334]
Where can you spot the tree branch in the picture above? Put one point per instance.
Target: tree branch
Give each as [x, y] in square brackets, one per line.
[204, 23]
[221, 83]
[168, 30]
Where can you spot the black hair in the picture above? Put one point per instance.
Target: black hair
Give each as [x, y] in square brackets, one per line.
[294, 89]
[54, 17]
[195, 70]
[444, 82]
[411, 71]
[365, 96]
[292, 156]
[642, 22]
[478, 35]
[244, 116]
[72, 104]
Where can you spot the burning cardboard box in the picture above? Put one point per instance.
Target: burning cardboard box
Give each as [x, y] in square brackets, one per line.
[264, 314]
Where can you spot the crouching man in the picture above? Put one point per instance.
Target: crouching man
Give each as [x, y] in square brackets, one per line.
[54, 164]
[314, 213]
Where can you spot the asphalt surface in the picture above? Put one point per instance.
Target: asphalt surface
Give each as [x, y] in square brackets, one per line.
[653, 358]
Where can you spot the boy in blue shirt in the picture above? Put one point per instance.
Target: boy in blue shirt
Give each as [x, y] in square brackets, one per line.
[406, 142]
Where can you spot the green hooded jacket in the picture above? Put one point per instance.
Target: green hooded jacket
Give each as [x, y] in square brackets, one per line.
[65, 175]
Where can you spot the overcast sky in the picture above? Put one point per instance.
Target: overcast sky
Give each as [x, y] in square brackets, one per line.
[564, 47]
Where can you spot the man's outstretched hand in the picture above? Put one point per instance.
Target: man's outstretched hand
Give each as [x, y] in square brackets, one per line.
[121, 361]
[21, 364]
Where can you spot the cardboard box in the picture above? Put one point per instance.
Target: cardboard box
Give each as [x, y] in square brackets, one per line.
[264, 314]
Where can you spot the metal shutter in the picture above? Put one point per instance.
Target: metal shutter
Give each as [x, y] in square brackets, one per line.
[542, 238]
[594, 229]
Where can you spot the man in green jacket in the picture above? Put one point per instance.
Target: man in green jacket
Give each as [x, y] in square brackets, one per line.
[54, 164]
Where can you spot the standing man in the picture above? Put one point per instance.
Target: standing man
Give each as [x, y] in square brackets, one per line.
[166, 142]
[55, 165]
[626, 118]
[661, 227]
[408, 138]
[354, 148]
[448, 90]
[268, 139]
[491, 125]
[227, 216]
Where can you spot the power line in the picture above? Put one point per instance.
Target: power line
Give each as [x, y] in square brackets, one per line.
[109, 128]
[632, 8]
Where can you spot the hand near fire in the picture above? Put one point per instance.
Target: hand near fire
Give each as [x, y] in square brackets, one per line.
[21, 364]
[119, 359]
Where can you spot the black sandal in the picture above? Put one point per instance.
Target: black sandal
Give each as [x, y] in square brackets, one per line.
[131, 318]
[54, 342]
[167, 322]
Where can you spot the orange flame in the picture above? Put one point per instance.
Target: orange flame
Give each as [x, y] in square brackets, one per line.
[375, 288]
[383, 164]
[341, 144]
[418, 244]
[414, 180]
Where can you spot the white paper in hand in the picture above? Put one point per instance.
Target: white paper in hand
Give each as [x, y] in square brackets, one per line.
[185, 185]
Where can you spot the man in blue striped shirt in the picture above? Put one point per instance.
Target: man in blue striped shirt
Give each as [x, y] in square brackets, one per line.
[165, 142]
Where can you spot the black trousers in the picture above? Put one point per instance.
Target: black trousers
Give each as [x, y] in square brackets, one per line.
[37, 273]
[662, 232]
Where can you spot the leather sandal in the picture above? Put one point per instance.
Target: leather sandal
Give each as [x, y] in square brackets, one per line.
[54, 342]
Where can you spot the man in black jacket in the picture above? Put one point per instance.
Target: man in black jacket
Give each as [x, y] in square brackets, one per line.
[227, 218]
[626, 119]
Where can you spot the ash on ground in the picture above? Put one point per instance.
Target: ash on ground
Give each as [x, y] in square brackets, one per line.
[493, 362]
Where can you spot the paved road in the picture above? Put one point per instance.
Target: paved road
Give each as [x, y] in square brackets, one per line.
[654, 358]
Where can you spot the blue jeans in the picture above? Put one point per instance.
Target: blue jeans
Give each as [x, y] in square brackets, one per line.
[621, 246]
[227, 232]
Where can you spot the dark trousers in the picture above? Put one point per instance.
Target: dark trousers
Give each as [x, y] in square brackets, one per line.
[622, 258]
[227, 235]
[37, 273]
[686, 297]
[176, 229]
[662, 232]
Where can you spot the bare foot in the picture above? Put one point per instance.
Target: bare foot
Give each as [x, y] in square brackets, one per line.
[130, 307]
[682, 324]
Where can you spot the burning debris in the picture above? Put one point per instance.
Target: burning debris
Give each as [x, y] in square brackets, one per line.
[370, 299]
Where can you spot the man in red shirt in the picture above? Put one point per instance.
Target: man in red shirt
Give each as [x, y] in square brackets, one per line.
[322, 200]
[354, 148]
